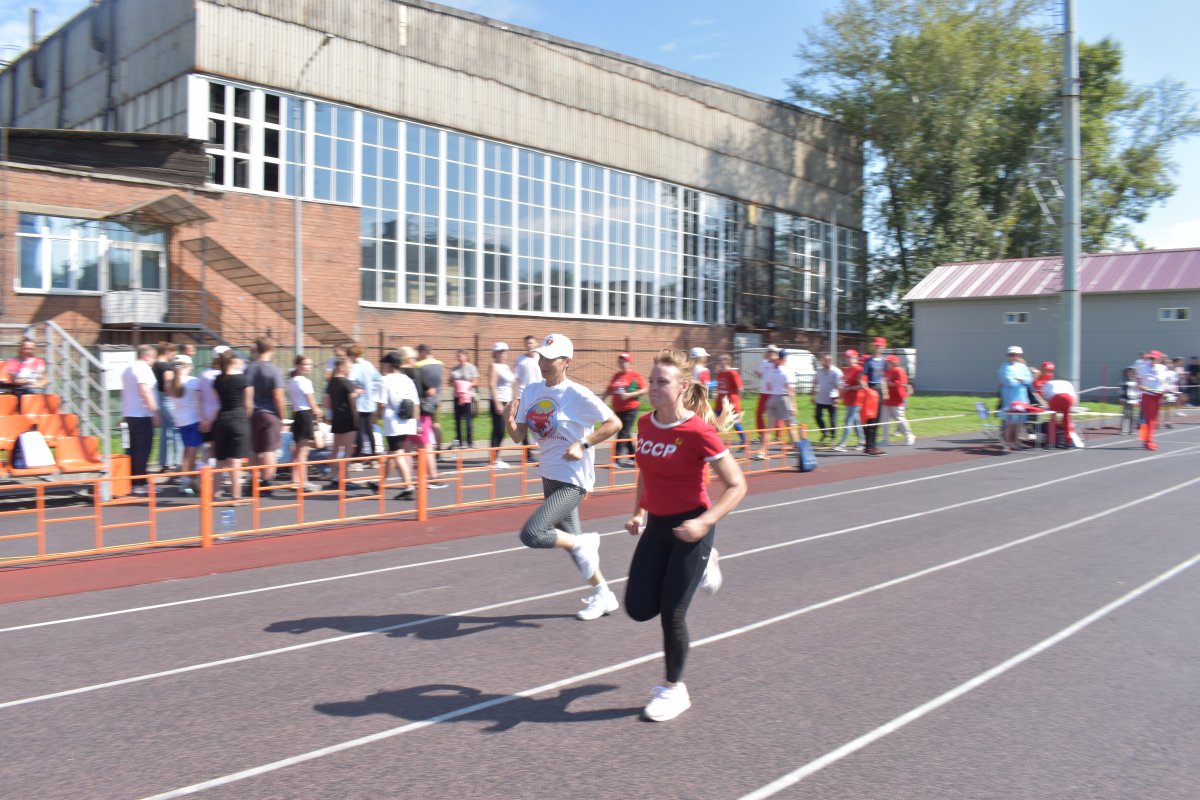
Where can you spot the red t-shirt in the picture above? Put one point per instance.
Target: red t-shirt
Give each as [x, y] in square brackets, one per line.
[851, 376]
[897, 383]
[729, 384]
[630, 381]
[671, 462]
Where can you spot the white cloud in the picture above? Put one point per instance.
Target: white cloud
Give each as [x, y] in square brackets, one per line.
[706, 56]
[669, 47]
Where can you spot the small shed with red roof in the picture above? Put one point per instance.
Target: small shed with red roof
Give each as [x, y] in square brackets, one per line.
[965, 315]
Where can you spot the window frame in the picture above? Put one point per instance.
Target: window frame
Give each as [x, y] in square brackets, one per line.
[1016, 317]
[105, 242]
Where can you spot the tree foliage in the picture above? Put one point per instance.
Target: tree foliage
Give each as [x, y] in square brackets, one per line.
[957, 102]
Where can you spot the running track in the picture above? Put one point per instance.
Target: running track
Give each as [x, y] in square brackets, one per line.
[990, 627]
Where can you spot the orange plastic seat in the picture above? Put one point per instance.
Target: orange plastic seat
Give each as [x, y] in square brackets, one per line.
[30, 472]
[78, 454]
[11, 428]
[8, 404]
[56, 426]
[33, 405]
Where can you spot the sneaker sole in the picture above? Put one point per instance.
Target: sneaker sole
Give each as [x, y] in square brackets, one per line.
[665, 717]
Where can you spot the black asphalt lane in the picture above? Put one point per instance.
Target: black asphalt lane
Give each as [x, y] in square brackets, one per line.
[766, 701]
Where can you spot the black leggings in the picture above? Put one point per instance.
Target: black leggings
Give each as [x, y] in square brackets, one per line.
[498, 430]
[826, 419]
[464, 423]
[365, 441]
[663, 576]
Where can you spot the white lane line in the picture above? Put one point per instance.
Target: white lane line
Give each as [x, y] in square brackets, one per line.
[853, 746]
[451, 559]
[389, 733]
[429, 620]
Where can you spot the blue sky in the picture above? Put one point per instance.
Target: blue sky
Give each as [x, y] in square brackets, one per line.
[752, 46]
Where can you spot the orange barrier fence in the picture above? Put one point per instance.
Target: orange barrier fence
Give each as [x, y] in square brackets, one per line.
[223, 506]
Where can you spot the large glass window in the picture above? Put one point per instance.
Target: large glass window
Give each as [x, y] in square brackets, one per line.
[64, 255]
[452, 221]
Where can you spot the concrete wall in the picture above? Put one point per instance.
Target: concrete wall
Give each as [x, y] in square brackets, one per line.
[961, 343]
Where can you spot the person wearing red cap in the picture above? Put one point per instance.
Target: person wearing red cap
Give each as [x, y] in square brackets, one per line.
[852, 381]
[1152, 379]
[894, 412]
[1060, 398]
[626, 388]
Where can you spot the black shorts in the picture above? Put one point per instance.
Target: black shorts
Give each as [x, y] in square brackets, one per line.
[395, 443]
[232, 438]
[343, 424]
[302, 425]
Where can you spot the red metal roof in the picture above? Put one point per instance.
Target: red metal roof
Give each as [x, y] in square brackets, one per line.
[1141, 271]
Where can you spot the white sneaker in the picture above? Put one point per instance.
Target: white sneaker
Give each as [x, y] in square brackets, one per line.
[713, 578]
[858, 448]
[667, 702]
[911, 440]
[838, 448]
[498, 464]
[586, 553]
[597, 604]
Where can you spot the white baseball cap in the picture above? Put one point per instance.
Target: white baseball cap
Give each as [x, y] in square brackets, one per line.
[556, 345]
[216, 351]
[698, 352]
[1015, 351]
[498, 346]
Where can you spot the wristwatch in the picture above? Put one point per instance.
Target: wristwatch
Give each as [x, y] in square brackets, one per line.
[586, 444]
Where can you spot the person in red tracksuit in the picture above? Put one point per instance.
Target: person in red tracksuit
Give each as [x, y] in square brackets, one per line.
[674, 516]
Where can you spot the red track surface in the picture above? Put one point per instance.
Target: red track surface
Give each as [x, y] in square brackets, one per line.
[133, 569]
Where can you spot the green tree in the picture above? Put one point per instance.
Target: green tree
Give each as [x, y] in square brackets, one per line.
[957, 104]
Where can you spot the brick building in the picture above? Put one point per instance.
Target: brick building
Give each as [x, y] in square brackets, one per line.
[485, 182]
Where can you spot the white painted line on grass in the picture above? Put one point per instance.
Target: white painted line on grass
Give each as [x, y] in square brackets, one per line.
[437, 618]
[502, 551]
[389, 733]
[853, 746]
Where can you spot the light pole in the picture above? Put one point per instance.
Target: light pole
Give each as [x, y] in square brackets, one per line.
[833, 280]
[297, 192]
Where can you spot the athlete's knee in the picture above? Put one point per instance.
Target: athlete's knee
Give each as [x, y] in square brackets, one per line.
[532, 536]
[638, 608]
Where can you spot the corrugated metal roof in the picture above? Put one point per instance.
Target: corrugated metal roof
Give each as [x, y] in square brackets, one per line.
[1142, 271]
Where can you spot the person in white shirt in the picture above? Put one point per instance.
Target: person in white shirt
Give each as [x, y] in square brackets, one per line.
[139, 407]
[500, 381]
[306, 415]
[398, 409]
[563, 416]
[189, 409]
[760, 411]
[776, 386]
[826, 388]
[1152, 378]
[527, 372]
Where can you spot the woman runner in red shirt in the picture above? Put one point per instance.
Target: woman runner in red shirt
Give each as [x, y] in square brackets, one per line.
[675, 517]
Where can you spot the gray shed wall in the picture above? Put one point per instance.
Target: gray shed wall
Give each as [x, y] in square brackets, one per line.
[961, 343]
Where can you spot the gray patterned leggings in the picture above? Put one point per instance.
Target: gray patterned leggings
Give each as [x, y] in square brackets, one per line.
[560, 510]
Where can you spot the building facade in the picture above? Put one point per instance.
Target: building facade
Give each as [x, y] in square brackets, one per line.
[456, 173]
[965, 316]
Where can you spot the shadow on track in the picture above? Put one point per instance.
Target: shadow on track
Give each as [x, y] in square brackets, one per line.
[424, 626]
[434, 699]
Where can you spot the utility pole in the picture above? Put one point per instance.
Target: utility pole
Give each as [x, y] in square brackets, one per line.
[1069, 354]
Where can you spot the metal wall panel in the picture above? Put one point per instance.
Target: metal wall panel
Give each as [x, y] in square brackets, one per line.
[449, 68]
[83, 73]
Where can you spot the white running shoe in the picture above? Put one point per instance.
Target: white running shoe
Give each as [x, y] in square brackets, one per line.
[586, 553]
[838, 448]
[911, 440]
[498, 464]
[713, 578]
[597, 604]
[667, 702]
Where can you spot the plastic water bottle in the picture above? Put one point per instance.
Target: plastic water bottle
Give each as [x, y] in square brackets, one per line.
[228, 521]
